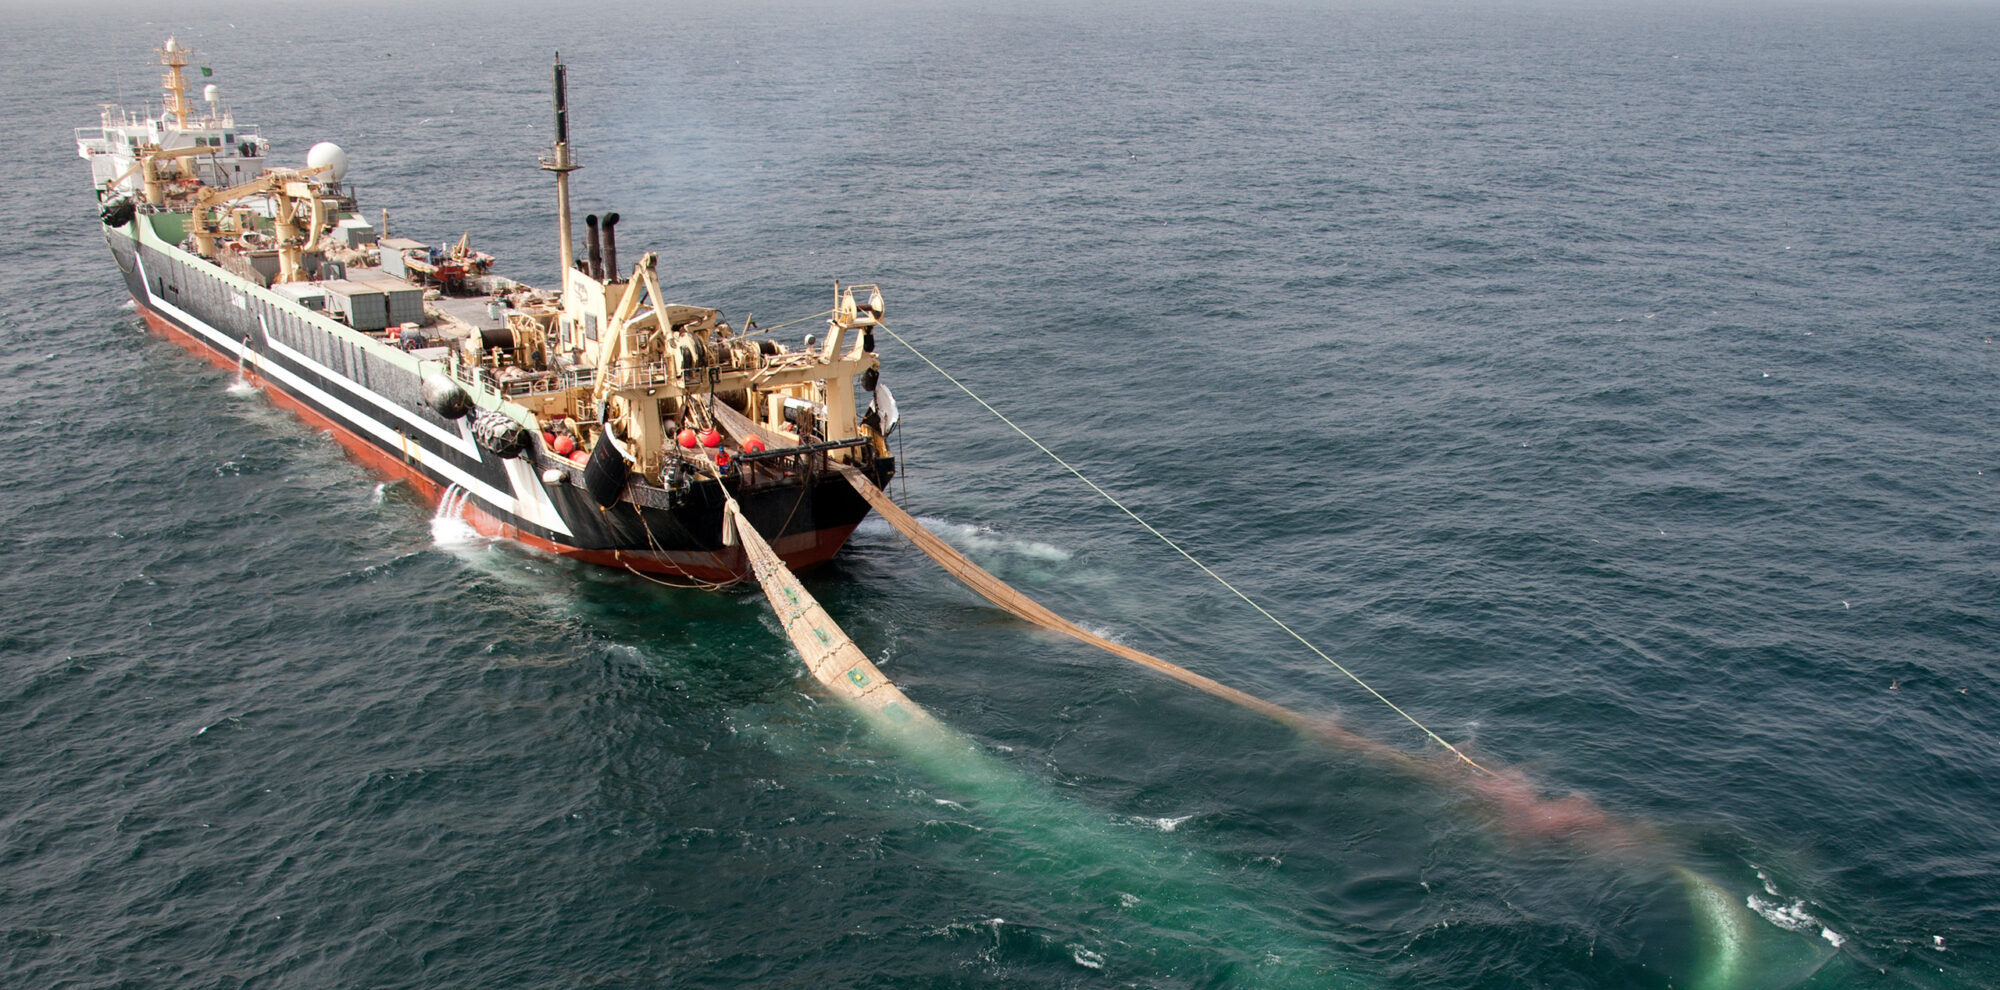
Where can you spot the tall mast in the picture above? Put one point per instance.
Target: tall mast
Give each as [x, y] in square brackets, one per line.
[175, 58]
[559, 162]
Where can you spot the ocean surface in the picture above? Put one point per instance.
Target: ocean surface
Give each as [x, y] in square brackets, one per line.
[1610, 386]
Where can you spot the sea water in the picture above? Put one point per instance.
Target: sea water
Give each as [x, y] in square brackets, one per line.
[1613, 388]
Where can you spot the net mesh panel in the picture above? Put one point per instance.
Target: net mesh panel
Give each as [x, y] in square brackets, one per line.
[832, 658]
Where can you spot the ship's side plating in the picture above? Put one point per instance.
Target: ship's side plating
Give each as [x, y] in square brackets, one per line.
[370, 397]
[343, 380]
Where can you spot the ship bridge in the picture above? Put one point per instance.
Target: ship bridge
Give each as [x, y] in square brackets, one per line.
[183, 141]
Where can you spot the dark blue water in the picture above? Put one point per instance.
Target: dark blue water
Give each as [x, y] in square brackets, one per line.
[1614, 389]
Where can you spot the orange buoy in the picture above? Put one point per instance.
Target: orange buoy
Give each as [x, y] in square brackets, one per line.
[565, 444]
[710, 438]
[687, 438]
[754, 445]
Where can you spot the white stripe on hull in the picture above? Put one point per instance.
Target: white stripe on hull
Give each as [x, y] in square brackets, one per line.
[528, 502]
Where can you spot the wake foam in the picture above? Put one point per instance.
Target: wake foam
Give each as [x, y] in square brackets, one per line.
[984, 539]
[1791, 914]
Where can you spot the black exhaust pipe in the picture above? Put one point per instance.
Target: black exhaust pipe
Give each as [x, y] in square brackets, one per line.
[610, 248]
[595, 266]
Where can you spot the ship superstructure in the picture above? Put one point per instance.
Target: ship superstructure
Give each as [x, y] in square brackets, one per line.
[598, 420]
[185, 142]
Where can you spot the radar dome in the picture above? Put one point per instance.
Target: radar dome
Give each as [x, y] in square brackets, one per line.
[211, 93]
[328, 153]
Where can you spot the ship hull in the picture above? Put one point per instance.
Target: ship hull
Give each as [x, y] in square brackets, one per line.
[368, 397]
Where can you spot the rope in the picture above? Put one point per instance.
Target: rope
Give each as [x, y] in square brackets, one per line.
[1205, 569]
[688, 586]
[693, 583]
[749, 332]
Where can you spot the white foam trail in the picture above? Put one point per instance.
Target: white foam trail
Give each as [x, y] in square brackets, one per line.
[1742, 955]
[1790, 914]
[1792, 917]
[498, 559]
[874, 526]
[984, 539]
[1113, 635]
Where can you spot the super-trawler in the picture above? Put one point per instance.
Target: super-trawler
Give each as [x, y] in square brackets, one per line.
[597, 421]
